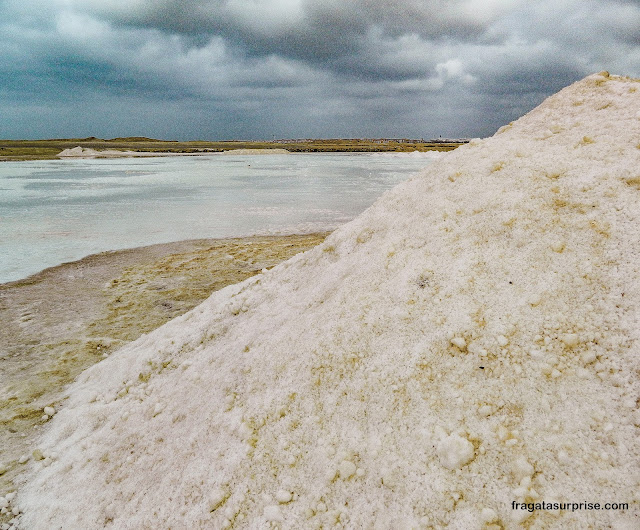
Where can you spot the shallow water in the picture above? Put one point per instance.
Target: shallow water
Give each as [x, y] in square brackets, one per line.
[55, 211]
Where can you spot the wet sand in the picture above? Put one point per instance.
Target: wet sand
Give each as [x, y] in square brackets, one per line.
[60, 321]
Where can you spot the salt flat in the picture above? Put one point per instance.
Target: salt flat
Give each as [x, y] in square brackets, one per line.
[62, 210]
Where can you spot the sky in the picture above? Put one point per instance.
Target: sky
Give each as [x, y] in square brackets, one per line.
[265, 69]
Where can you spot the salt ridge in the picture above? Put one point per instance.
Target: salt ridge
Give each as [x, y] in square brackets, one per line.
[468, 341]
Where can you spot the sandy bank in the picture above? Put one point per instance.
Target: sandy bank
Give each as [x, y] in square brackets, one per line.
[256, 152]
[65, 318]
[87, 152]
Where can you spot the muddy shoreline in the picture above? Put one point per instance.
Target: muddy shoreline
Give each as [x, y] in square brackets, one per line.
[62, 320]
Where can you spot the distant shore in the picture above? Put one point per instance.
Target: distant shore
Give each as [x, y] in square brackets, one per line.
[60, 321]
[16, 150]
[87, 152]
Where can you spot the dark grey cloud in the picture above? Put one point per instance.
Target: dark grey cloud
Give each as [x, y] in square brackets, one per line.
[258, 68]
[304, 21]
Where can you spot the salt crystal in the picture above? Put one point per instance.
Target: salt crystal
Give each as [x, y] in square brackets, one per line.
[588, 357]
[50, 411]
[521, 469]
[520, 492]
[346, 469]
[454, 451]
[459, 343]
[570, 340]
[283, 496]
[330, 475]
[273, 514]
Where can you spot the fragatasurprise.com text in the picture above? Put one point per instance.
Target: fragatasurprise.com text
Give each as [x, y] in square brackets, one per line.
[568, 506]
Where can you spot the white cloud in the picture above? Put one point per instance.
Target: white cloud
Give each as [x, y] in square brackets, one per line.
[453, 69]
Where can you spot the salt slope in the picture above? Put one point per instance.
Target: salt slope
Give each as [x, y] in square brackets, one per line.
[468, 341]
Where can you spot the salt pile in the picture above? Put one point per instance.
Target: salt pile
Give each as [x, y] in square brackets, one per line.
[79, 152]
[469, 341]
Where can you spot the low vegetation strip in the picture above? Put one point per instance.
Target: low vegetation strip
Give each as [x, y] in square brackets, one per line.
[49, 149]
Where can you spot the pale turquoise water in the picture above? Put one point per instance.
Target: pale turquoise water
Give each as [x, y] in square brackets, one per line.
[56, 211]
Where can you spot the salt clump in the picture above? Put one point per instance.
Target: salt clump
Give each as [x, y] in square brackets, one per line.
[342, 359]
[570, 339]
[273, 514]
[454, 451]
[283, 496]
[347, 469]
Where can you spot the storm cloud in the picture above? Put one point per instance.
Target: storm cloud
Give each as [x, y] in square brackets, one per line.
[222, 69]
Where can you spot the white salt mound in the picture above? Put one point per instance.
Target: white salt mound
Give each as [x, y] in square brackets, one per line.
[468, 341]
[87, 152]
[77, 152]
